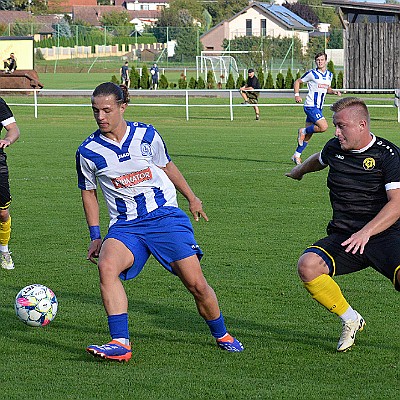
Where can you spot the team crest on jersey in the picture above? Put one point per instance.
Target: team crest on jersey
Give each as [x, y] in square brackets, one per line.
[369, 163]
[145, 148]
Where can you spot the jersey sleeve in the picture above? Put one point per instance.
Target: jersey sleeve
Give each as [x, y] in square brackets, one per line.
[160, 153]
[391, 169]
[85, 172]
[308, 76]
[6, 115]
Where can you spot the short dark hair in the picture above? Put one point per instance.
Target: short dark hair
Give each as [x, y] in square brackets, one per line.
[120, 92]
[321, 53]
[250, 70]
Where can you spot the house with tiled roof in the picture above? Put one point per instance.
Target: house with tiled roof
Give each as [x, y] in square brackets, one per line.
[144, 5]
[93, 14]
[65, 6]
[258, 19]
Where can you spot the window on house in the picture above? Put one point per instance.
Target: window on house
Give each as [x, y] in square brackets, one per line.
[263, 27]
[249, 29]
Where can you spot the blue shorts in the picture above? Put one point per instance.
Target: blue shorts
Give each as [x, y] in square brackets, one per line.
[314, 114]
[166, 233]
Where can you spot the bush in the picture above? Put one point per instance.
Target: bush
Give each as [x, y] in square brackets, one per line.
[115, 80]
[182, 84]
[331, 67]
[210, 80]
[135, 78]
[280, 81]
[192, 83]
[230, 83]
[163, 82]
[240, 81]
[39, 55]
[269, 82]
[289, 81]
[339, 82]
[200, 83]
[260, 77]
[145, 78]
[172, 85]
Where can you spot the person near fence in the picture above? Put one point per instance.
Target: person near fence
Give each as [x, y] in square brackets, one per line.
[319, 84]
[124, 72]
[364, 184]
[248, 92]
[12, 134]
[154, 76]
[130, 163]
[10, 64]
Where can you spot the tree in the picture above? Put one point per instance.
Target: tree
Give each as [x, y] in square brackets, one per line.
[62, 29]
[188, 45]
[269, 82]
[116, 18]
[200, 83]
[240, 81]
[339, 82]
[192, 83]
[6, 5]
[303, 11]
[224, 9]
[163, 82]
[145, 78]
[289, 81]
[210, 80]
[324, 14]
[280, 81]
[230, 83]
[260, 77]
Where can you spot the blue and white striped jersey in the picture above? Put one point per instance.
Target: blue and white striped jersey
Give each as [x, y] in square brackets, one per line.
[318, 83]
[128, 172]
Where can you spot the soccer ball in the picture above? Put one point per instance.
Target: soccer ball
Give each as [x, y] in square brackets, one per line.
[36, 305]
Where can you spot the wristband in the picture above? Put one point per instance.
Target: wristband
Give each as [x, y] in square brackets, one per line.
[296, 94]
[94, 232]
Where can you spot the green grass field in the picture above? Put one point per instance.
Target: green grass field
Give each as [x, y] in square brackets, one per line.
[260, 222]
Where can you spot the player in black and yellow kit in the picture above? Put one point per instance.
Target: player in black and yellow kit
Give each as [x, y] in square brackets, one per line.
[12, 134]
[364, 185]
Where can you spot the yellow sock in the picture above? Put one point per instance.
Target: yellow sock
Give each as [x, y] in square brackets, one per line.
[5, 232]
[327, 292]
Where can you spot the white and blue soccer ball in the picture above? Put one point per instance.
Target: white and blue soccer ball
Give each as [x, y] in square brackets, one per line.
[36, 305]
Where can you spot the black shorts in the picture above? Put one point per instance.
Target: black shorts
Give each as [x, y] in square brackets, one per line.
[5, 196]
[382, 253]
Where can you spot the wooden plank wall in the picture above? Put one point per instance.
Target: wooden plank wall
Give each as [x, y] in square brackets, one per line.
[372, 56]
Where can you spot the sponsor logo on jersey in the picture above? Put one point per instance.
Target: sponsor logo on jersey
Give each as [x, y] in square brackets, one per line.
[323, 86]
[369, 163]
[132, 179]
[124, 156]
[339, 156]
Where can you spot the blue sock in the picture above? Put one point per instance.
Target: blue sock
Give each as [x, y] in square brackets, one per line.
[217, 327]
[118, 326]
[310, 130]
[300, 149]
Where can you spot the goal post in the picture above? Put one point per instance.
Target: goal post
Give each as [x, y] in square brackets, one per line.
[223, 63]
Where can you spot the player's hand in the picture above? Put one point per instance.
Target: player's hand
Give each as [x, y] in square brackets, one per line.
[298, 99]
[196, 208]
[295, 173]
[4, 143]
[94, 250]
[356, 242]
[338, 93]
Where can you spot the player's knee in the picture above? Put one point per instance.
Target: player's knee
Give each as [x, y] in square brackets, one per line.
[323, 125]
[309, 267]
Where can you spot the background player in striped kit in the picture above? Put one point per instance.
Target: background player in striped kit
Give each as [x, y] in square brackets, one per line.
[319, 83]
[12, 134]
[130, 162]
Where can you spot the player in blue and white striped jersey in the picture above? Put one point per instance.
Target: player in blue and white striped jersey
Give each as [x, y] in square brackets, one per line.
[130, 163]
[319, 84]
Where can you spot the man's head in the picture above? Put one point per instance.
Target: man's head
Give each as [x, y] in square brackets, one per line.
[351, 119]
[321, 60]
[126, 62]
[251, 72]
[12, 55]
[109, 102]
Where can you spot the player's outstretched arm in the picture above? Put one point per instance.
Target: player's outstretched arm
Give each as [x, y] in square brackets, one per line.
[176, 177]
[312, 164]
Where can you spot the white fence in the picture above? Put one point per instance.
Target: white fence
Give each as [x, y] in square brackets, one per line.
[187, 95]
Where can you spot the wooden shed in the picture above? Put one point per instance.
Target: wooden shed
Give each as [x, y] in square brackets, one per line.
[371, 44]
